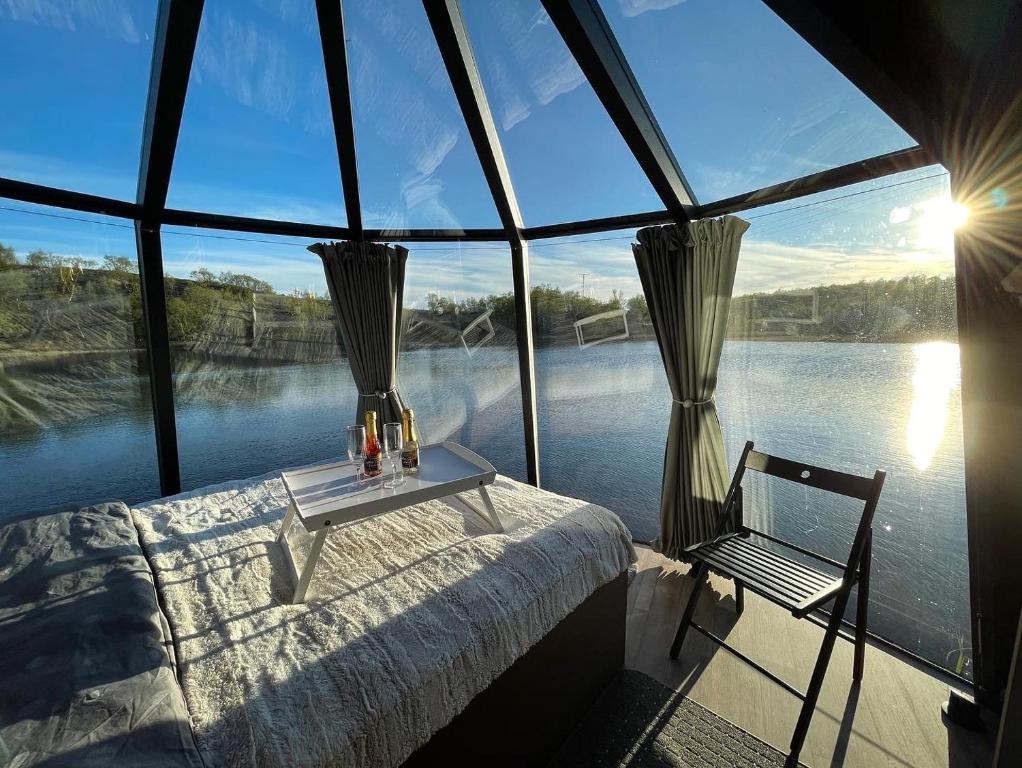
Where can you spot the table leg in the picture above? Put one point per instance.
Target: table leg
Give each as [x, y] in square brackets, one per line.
[489, 514]
[497, 525]
[289, 518]
[309, 567]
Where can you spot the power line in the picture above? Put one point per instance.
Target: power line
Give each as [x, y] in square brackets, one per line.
[850, 194]
[461, 246]
[66, 217]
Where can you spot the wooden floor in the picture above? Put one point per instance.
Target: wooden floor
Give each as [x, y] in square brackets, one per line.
[893, 719]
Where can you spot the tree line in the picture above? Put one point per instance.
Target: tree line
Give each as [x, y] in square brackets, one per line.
[910, 308]
[906, 309]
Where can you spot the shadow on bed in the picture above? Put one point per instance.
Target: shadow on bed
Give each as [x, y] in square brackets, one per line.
[85, 672]
[518, 719]
[90, 663]
[134, 748]
[60, 615]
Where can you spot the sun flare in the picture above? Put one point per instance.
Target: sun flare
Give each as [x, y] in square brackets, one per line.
[937, 220]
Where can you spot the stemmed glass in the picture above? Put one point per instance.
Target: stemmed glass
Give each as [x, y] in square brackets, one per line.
[393, 442]
[356, 441]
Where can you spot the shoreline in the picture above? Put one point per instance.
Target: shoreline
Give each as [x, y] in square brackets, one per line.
[19, 358]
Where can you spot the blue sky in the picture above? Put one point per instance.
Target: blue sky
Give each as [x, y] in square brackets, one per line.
[743, 101]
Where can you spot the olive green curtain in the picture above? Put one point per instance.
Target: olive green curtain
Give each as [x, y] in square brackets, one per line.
[366, 282]
[687, 273]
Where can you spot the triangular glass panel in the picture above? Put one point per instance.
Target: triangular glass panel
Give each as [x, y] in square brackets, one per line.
[567, 160]
[743, 100]
[74, 85]
[257, 136]
[417, 165]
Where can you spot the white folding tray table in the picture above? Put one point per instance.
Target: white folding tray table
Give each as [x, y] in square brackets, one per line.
[325, 495]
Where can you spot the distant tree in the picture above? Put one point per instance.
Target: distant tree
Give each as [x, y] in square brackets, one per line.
[245, 282]
[7, 257]
[440, 305]
[68, 281]
[42, 259]
[638, 310]
[120, 264]
[307, 307]
[203, 275]
[190, 314]
[77, 262]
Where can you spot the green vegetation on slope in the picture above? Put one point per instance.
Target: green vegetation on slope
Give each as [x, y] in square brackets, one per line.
[911, 308]
[51, 305]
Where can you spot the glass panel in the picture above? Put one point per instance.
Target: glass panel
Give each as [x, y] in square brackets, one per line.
[260, 382]
[601, 391]
[76, 423]
[417, 165]
[257, 136]
[743, 100]
[459, 359]
[76, 77]
[842, 350]
[568, 161]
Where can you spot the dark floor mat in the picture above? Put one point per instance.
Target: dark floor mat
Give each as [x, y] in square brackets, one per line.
[639, 723]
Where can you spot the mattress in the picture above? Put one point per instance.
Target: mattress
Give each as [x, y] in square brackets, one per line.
[409, 616]
[86, 673]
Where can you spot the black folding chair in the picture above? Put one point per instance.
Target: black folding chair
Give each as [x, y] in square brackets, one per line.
[790, 583]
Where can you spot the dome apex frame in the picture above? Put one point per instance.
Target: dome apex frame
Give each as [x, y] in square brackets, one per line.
[590, 40]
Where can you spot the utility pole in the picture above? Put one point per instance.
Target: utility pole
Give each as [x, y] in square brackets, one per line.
[582, 277]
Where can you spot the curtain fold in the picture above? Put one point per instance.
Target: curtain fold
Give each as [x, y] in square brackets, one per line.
[687, 273]
[366, 282]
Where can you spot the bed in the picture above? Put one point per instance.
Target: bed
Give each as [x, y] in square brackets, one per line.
[426, 638]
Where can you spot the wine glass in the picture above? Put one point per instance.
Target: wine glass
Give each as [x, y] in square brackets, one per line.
[393, 442]
[356, 441]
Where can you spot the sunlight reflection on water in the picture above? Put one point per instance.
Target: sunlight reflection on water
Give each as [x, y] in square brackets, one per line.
[937, 374]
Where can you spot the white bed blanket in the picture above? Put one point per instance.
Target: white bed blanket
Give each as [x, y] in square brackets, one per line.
[409, 616]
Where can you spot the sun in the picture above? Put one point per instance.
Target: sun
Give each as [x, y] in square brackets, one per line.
[937, 220]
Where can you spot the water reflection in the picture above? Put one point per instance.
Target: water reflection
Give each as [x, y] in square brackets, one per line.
[937, 374]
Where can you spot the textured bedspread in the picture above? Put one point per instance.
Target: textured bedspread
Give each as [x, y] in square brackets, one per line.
[409, 616]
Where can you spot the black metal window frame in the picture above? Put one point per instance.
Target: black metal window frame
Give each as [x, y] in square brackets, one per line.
[588, 36]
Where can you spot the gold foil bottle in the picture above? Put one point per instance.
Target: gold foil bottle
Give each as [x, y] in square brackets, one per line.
[410, 452]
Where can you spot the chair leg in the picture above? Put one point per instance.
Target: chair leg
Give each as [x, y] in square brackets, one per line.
[739, 597]
[698, 579]
[862, 610]
[805, 716]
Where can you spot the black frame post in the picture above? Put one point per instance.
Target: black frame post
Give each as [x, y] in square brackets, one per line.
[161, 383]
[452, 37]
[335, 58]
[588, 36]
[177, 30]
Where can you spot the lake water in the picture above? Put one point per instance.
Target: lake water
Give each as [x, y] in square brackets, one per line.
[603, 414]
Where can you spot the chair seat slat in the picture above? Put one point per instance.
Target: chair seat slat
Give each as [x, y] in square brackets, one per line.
[770, 592]
[748, 573]
[787, 580]
[776, 562]
[752, 571]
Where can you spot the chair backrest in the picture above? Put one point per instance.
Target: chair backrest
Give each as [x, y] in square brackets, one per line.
[866, 489]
